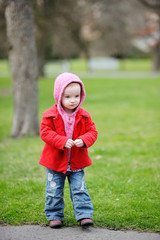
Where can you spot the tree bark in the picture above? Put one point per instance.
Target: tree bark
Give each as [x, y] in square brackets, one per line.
[156, 58]
[23, 61]
[156, 52]
[154, 5]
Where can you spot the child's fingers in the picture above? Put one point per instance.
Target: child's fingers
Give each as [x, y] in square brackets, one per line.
[69, 143]
[79, 143]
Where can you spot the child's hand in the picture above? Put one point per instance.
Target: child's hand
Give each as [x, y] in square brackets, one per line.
[69, 143]
[79, 143]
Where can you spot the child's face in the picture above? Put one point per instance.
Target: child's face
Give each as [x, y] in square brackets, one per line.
[71, 97]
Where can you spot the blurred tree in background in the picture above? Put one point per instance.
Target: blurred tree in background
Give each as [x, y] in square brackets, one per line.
[58, 25]
[63, 29]
[23, 61]
[3, 37]
[154, 5]
[80, 28]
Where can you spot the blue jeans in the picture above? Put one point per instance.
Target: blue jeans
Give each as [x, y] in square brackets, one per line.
[54, 206]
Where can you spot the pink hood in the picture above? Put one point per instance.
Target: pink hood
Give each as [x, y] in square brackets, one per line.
[61, 82]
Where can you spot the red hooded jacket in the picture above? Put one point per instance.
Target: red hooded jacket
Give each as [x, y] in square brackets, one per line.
[54, 155]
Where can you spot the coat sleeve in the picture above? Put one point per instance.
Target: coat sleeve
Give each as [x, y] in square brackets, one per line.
[91, 133]
[49, 135]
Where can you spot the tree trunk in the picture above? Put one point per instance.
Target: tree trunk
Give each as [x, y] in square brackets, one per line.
[41, 61]
[156, 58]
[42, 40]
[155, 6]
[156, 51]
[23, 61]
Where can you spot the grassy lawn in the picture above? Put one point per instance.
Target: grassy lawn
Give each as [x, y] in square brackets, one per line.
[124, 180]
[124, 65]
[127, 65]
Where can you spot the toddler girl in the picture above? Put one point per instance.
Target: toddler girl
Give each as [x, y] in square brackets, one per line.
[67, 131]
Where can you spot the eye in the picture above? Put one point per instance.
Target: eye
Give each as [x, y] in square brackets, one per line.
[66, 96]
[77, 96]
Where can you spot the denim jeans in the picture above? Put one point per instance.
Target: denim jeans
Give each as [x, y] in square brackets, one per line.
[54, 205]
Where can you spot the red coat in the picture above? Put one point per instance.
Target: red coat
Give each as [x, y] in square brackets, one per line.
[54, 155]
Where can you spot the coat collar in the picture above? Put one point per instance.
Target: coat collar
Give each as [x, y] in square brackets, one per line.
[53, 112]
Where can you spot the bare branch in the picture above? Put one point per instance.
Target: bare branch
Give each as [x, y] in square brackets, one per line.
[154, 5]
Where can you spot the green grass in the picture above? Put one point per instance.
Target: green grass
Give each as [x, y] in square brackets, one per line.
[81, 65]
[124, 180]
[124, 65]
[135, 65]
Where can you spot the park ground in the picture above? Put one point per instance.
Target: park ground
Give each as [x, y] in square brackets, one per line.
[124, 180]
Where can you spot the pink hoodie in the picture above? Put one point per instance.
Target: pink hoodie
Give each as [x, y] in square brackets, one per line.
[61, 82]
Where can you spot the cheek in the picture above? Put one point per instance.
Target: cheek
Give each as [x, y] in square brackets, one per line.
[63, 101]
[66, 102]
